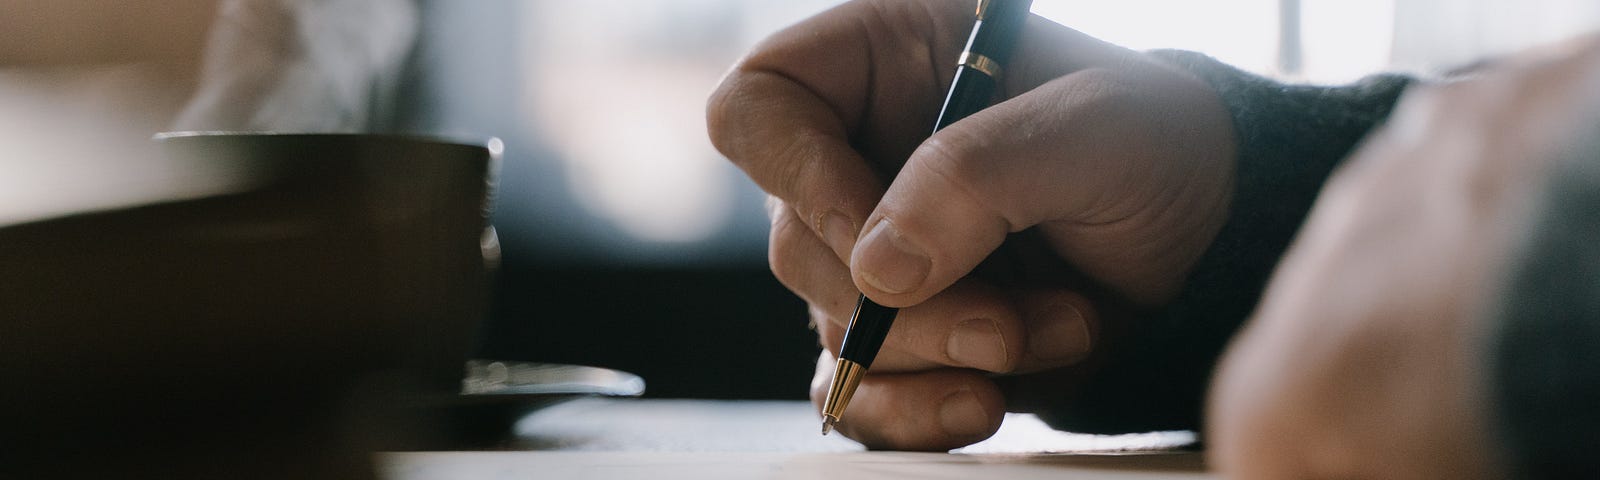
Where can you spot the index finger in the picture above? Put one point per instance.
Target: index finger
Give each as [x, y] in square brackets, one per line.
[795, 147]
[798, 112]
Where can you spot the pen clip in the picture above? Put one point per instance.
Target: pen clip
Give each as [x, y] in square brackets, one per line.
[983, 7]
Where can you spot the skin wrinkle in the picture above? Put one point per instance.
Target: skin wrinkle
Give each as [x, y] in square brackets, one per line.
[1223, 203]
[780, 270]
[797, 173]
[1089, 96]
[1165, 257]
[754, 68]
[940, 148]
[1044, 181]
[1196, 223]
[787, 232]
[1171, 198]
[724, 119]
[1036, 125]
[716, 112]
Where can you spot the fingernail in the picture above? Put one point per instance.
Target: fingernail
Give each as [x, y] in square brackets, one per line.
[1062, 334]
[838, 232]
[889, 263]
[977, 344]
[962, 416]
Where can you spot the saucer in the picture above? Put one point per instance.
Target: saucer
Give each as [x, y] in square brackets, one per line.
[493, 380]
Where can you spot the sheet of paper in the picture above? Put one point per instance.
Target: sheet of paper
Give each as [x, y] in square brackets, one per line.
[785, 466]
[659, 439]
[701, 426]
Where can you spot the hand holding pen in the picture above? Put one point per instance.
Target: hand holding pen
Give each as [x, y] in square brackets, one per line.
[1121, 165]
[978, 73]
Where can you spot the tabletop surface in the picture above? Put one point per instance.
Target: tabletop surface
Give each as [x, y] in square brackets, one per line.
[669, 439]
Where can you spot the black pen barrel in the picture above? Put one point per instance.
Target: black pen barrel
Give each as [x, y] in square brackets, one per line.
[971, 91]
[989, 46]
[868, 328]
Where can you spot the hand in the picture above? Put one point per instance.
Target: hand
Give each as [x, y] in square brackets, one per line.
[1363, 360]
[1118, 167]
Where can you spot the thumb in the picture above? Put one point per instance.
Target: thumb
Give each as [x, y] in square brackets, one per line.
[1080, 153]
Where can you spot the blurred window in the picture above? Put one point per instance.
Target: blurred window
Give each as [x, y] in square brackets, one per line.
[602, 103]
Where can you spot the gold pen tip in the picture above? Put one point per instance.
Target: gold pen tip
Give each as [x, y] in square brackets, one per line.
[827, 424]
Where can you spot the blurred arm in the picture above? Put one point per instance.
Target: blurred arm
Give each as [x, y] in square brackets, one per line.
[75, 32]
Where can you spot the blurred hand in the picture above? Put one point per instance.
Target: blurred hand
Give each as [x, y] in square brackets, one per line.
[1364, 359]
[1119, 168]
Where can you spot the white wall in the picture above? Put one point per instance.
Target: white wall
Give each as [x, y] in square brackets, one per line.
[1437, 35]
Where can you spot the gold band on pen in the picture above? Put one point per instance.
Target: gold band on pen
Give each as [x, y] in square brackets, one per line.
[982, 63]
[846, 377]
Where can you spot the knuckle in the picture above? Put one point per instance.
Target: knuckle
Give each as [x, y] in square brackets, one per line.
[794, 167]
[829, 332]
[741, 114]
[951, 159]
[820, 382]
[956, 162]
[729, 109]
[746, 122]
[1097, 92]
[785, 236]
[776, 208]
[953, 156]
[719, 110]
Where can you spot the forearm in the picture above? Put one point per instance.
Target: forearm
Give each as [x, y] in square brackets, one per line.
[1544, 375]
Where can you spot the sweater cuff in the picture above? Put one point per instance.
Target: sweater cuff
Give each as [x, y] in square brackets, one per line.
[1290, 138]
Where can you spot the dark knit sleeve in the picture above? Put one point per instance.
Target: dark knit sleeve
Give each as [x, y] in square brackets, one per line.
[1290, 139]
[1543, 340]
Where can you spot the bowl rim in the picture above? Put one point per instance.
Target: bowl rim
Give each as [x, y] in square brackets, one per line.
[490, 142]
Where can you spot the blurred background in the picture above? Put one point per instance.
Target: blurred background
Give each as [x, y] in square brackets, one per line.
[628, 242]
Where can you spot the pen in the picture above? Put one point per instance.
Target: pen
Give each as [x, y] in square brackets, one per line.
[977, 75]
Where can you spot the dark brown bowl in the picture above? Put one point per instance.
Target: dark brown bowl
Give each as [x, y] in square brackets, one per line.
[339, 262]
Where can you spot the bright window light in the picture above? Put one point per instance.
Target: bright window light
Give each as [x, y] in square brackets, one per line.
[1243, 33]
[1346, 39]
